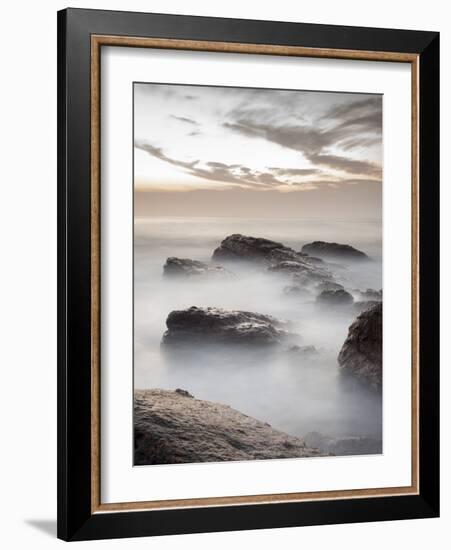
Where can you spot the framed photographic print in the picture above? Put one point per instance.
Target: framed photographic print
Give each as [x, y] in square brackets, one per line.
[248, 274]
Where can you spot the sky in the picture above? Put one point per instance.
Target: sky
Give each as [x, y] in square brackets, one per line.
[203, 150]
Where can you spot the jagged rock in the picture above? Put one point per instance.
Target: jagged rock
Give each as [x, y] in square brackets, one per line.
[253, 249]
[344, 446]
[334, 298]
[333, 250]
[289, 266]
[171, 428]
[302, 269]
[240, 247]
[213, 325]
[361, 354]
[189, 268]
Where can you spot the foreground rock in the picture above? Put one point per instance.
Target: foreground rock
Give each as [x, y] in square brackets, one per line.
[361, 354]
[344, 446]
[173, 428]
[212, 325]
[192, 268]
[333, 250]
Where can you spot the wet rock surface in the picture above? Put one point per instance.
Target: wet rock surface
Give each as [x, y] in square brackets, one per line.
[241, 247]
[333, 251]
[212, 325]
[172, 428]
[361, 354]
[254, 249]
[344, 446]
[192, 268]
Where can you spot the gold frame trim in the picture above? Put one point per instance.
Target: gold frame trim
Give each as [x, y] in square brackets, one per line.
[97, 41]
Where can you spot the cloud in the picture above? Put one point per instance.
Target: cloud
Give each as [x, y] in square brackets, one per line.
[158, 153]
[342, 128]
[237, 175]
[344, 164]
[350, 110]
[185, 119]
[294, 171]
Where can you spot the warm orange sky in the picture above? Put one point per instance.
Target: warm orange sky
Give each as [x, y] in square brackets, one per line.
[263, 150]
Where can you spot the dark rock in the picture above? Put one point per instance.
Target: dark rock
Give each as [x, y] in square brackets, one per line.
[170, 428]
[361, 354]
[240, 247]
[334, 298]
[253, 249]
[189, 268]
[333, 250]
[344, 446]
[212, 325]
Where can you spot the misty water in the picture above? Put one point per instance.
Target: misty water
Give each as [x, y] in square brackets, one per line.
[294, 394]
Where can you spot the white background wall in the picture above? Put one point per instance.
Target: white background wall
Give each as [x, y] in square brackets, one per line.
[28, 271]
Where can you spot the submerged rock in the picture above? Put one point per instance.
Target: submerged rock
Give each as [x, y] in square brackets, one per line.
[189, 268]
[171, 428]
[368, 295]
[328, 286]
[299, 291]
[333, 250]
[335, 298]
[361, 354]
[211, 325]
[344, 446]
[303, 351]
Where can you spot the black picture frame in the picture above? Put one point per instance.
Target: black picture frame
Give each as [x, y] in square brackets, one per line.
[76, 521]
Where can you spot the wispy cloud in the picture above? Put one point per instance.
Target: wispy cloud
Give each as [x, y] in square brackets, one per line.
[185, 119]
[256, 138]
[345, 127]
[236, 174]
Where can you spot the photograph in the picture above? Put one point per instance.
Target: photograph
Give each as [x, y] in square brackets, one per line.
[257, 273]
